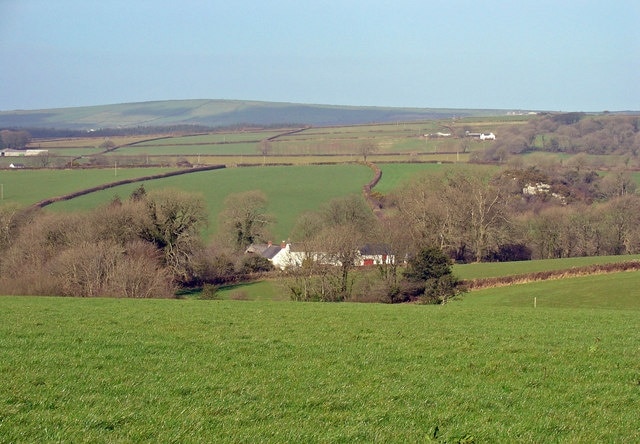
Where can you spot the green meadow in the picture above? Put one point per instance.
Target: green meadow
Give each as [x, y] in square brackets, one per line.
[26, 187]
[290, 190]
[487, 368]
[249, 148]
[500, 269]
[221, 137]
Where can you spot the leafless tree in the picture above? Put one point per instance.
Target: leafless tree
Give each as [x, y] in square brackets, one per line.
[244, 219]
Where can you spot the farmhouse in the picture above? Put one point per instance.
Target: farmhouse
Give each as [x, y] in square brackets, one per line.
[287, 255]
[374, 255]
[481, 136]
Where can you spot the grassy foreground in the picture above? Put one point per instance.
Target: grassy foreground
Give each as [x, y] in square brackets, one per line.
[110, 370]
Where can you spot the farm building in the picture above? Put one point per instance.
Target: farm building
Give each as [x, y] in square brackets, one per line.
[375, 255]
[9, 152]
[481, 136]
[281, 256]
[287, 255]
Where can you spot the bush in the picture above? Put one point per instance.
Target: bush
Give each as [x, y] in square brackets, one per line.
[429, 277]
[209, 292]
[440, 290]
[255, 264]
[429, 263]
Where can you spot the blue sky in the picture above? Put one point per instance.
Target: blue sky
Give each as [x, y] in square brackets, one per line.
[574, 55]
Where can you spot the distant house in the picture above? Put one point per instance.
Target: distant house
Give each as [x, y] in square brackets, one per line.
[268, 250]
[481, 136]
[374, 255]
[16, 165]
[287, 255]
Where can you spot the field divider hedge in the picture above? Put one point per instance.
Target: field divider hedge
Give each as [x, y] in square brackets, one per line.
[45, 202]
[503, 281]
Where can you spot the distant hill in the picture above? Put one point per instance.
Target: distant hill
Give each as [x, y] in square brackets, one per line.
[219, 113]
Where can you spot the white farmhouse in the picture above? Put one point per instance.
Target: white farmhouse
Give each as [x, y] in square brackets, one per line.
[287, 255]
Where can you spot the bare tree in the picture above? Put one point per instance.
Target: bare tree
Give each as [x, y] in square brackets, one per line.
[244, 219]
[15, 139]
[265, 148]
[174, 220]
[366, 148]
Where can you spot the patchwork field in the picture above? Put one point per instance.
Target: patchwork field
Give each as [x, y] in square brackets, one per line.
[488, 368]
[254, 367]
[26, 187]
[290, 190]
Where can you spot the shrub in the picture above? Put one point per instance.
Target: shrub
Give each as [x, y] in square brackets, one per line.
[430, 278]
[255, 264]
[429, 263]
[209, 292]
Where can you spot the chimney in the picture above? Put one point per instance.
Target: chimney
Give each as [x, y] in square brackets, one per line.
[269, 244]
[283, 244]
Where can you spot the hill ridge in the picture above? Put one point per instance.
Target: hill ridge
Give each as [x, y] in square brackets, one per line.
[221, 112]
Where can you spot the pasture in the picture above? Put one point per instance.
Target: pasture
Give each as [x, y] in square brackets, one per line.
[487, 368]
[399, 139]
[26, 187]
[290, 190]
[500, 269]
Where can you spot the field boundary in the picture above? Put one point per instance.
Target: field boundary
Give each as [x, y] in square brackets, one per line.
[45, 202]
[589, 270]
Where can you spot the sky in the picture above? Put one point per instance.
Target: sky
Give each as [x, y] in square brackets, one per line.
[569, 55]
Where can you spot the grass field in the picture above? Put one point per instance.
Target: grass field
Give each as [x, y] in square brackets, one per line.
[499, 269]
[488, 368]
[290, 190]
[26, 187]
[185, 150]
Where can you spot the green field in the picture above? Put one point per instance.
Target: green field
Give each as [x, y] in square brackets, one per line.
[26, 187]
[488, 368]
[396, 174]
[222, 137]
[184, 150]
[499, 269]
[290, 190]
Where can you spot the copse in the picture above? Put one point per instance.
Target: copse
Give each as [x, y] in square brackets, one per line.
[143, 247]
[16, 140]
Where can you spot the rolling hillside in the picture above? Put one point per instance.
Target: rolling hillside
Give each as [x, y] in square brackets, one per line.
[218, 113]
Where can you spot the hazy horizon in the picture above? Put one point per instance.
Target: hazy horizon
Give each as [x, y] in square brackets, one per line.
[531, 55]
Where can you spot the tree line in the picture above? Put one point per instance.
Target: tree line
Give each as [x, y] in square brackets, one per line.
[148, 245]
[569, 133]
[14, 139]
